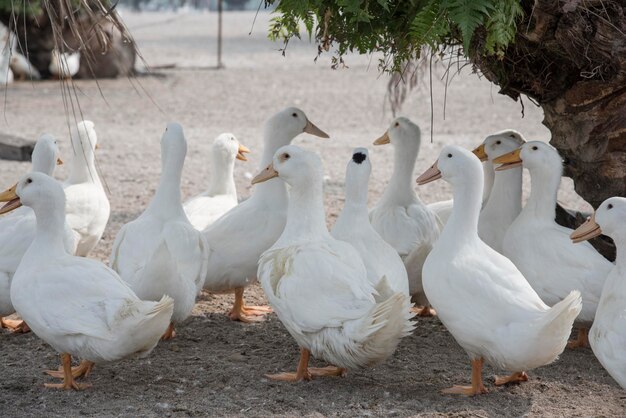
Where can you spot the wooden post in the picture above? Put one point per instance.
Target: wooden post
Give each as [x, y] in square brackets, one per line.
[219, 33]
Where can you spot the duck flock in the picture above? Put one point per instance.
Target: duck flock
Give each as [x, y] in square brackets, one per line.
[507, 282]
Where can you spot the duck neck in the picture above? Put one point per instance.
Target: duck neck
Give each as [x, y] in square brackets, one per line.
[620, 258]
[273, 191]
[166, 200]
[50, 230]
[463, 222]
[400, 189]
[306, 219]
[544, 186]
[82, 168]
[222, 181]
[506, 195]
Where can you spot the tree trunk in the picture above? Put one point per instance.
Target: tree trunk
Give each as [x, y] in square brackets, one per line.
[95, 62]
[572, 62]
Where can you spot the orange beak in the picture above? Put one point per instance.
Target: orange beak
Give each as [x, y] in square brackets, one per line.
[509, 160]
[241, 151]
[480, 153]
[429, 175]
[589, 229]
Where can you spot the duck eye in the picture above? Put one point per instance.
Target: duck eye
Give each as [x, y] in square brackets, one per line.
[29, 180]
[294, 114]
[286, 156]
[498, 142]
[609, 206]
[449, 155]
[397, 123]
[535, 148]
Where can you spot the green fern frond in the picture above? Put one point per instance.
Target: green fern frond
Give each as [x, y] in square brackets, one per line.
[502, 26]
[468, 15]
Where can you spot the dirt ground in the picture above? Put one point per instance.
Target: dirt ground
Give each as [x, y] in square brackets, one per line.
[215, 367]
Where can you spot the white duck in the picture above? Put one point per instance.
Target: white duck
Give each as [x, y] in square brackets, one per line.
[17, 230]
[239, 237]
[64, 65]
[88, 207]
[319, 287]
[204, 209]
[505, 200]
[541, 248]
[480, 296]
[400, 217]
[78, 305]
[353, 226]
[160, 252]
[607, 335]
[22, 68]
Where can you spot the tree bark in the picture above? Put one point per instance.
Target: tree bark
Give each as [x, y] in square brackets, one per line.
[572, 61]
[95, 62]
[570, 57]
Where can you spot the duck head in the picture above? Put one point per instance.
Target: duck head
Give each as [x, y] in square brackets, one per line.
[291, 122]
[35, 190]
[357, 176]
[45, 157]
[533, 155]
[173, 145]
[401, 133]
[226, 147]
[609, 219]
[454, 165]
[294, 165]
[498, 144]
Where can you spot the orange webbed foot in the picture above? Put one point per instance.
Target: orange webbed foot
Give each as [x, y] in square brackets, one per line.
[17, 326]
[517, 377]
[465, 390]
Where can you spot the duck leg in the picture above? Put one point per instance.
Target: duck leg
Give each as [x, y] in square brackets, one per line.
[243, 313]
[169, 332]
[516, 377]
[302, 372]
[14, 325]
[424, 311]
[68, 379]
[477, 387]
[582, 340]
[83, 369]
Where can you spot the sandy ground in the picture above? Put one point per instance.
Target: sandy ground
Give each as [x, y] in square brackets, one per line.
[214, 366]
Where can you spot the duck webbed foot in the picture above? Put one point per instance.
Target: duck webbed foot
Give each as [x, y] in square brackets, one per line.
[424, 311]
[581, 341]
[477, 387]
[169, 332]
[517, 377]
[17, 326]
[69, 381]
[83, 369]
[249, 314]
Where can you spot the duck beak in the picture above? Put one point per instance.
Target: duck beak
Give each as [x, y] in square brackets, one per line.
[59, 161]
[590, 229]
[13, 201]
[314, 130]
[383, 139]
[265, 175]
[480, 153]
[242, 150]
[509, 160]
[429, 175]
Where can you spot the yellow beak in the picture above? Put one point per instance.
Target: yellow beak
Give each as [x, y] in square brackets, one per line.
[590, 229]
[509, 160]
[59, 161]
[265, 175]
[429, 175]
[13, 201]
[242, 150]
[383, 139]
[480, 153]
[310, 128]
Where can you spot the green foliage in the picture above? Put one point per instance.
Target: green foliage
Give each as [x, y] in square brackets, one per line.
[399, 28]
